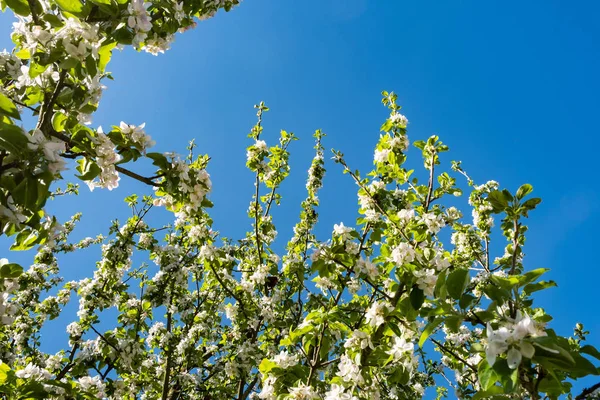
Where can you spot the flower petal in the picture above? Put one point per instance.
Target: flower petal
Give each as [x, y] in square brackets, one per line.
[513, 357]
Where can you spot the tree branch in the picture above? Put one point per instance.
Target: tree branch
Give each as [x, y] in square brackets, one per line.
[452, 353]
[430, 191]
[587, 391]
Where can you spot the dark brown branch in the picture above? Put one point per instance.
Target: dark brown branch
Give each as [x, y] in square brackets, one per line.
[167, 377]
[34, 15]
[70, 364]
[135, 176]
[452, 353]
[48, 105]
[587, 391]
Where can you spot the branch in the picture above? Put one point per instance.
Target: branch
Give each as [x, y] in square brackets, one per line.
[167, 377]
[124, 171]
[515, 246]
[67, 367]
[135, 176]
[452, 353]
[587, 391]
[430, 191]
[47, 106]
[34, 15]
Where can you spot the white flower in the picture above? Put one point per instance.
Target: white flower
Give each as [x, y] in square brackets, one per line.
[342, 231]
[403, 253]
[426, 280]
[33, 372]
[303, 392]
[400, 142]
[137, 134]
[497, 343]
[440, 262]
[268, 391]
[433, 222]
[106, 158]
[381, 155]
[349, 371]
[139, 19]
[359, 339]
[337, 393]
[51, 148]
[375, 314]
[285, 360]
[406, 215]
[399, 119]
[365, 266]
[400, 347]
[74, 329]
[260, 145]
[92, 384]
[79, 51]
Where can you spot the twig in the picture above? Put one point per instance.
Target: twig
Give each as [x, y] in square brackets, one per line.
[430, 191]
[452, 353]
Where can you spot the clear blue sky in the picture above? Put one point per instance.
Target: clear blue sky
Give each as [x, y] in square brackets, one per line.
[511, 87]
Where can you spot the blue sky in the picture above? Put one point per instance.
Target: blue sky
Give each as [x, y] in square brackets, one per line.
[511, 87]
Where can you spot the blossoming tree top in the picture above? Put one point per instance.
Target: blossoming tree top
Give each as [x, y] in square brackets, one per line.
[381, 310]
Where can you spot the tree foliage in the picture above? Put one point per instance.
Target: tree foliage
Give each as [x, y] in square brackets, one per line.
[383, 309]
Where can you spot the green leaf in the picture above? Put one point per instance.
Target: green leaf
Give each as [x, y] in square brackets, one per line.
[387, 125]
[159, 160]
[4, 371]
[7, 107]
[417, 297]
[534, 287]
[429, 330]
[486, 375]
[90, 66]
[531, 276]
[524, 190]
[36, 69]
[20, 7]
[508, 377]
[466, 300]
[453, 322]
[457, 282]
[498, 201]
[508, 282]
[548, 350]
[583, 367]
[53, 20]
[104, 55]
[532, 203]
[12, 139]
[72, 6]
[88, 169]
[487, 394]
[590, 350]
[68, 63]
[25, 240]
[499, 295]
[58, 121]
[26, 192]
[9, 271]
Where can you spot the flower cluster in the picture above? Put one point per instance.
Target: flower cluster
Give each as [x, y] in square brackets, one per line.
[512, 338]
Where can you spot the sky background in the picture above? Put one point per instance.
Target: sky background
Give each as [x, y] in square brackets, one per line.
[511, 87]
